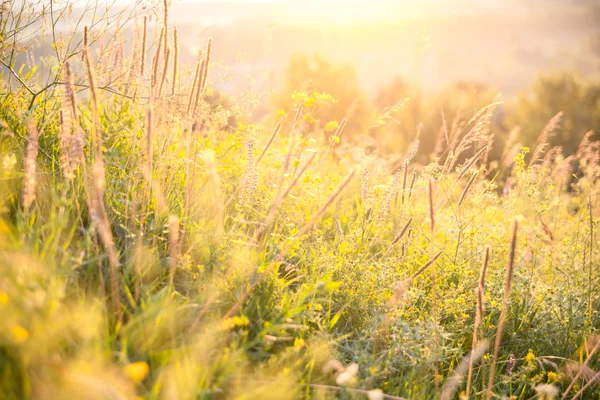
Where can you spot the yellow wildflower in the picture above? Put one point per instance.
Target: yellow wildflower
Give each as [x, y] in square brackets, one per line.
[19, 333]
[530, 357]
[137, 371]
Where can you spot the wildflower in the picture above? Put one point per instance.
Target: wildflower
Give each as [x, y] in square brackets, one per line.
[546, 392]
[331, 126]
[530, 357]
[299, 343]
[3, 298]
[333, 366]
[137, 371]
[376, 394]
[552, 376]
[348, 376]
[8, 162]
[19, 333]
[511, 364]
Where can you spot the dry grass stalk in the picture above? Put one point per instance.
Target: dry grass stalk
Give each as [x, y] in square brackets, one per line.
[96, 133]
[404, 180]
[505, 301]
[30, 165]
[309, 225]
[173, 225]
[479, 312]
[149, 138]
[546, 229]
[70, 139]
[269, 142]
[431, 209]
[164, 74]
[279, 200]
[175, 87]
[472, 161]
[452, 384]
[194, 82]
[434, 290]
[402, 231]
[71, 95]
[206, 64]
[586, 386]
[466, 189]
[64, 143]
[340, 128]
[479, 131]
[143, 51]
[250, 177]
[543, 140]
[202, 77]
[199, 92]
[166, 19]
[582, 369]
[100, 218]
[156, 59]
[365, 185]
[412, 184]
[403, 286]
[445, 126]
[591, 262]
[510, 142]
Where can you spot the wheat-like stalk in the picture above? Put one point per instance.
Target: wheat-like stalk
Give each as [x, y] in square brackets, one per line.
[173, 226]
[100, 218]
[143, 50]
[503, 313]
[472, 161]
[269, 142]
[97, 134]
[30, 165]
[466, 189]
[156, 59]
[543, 140]
[412, 184]
[166, 20]
[175, 82]
[199, 90]
[164, 74]
[206, 64]
[404, 180]
[402, 286]
[402, 231]
[279, 200]
[194, 82]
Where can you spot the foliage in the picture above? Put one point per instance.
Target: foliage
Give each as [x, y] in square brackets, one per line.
[185, 257]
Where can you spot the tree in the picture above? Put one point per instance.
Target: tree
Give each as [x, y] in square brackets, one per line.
[577, 98]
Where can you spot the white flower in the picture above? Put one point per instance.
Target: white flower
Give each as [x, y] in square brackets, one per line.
[547, 392]
[348, 376]
[376, 394]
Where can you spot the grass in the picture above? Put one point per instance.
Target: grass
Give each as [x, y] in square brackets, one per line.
[172, 255]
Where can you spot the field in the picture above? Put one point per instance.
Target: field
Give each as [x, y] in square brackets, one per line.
[156, 242]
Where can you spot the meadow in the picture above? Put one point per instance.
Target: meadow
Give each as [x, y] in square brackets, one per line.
[157, 244]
